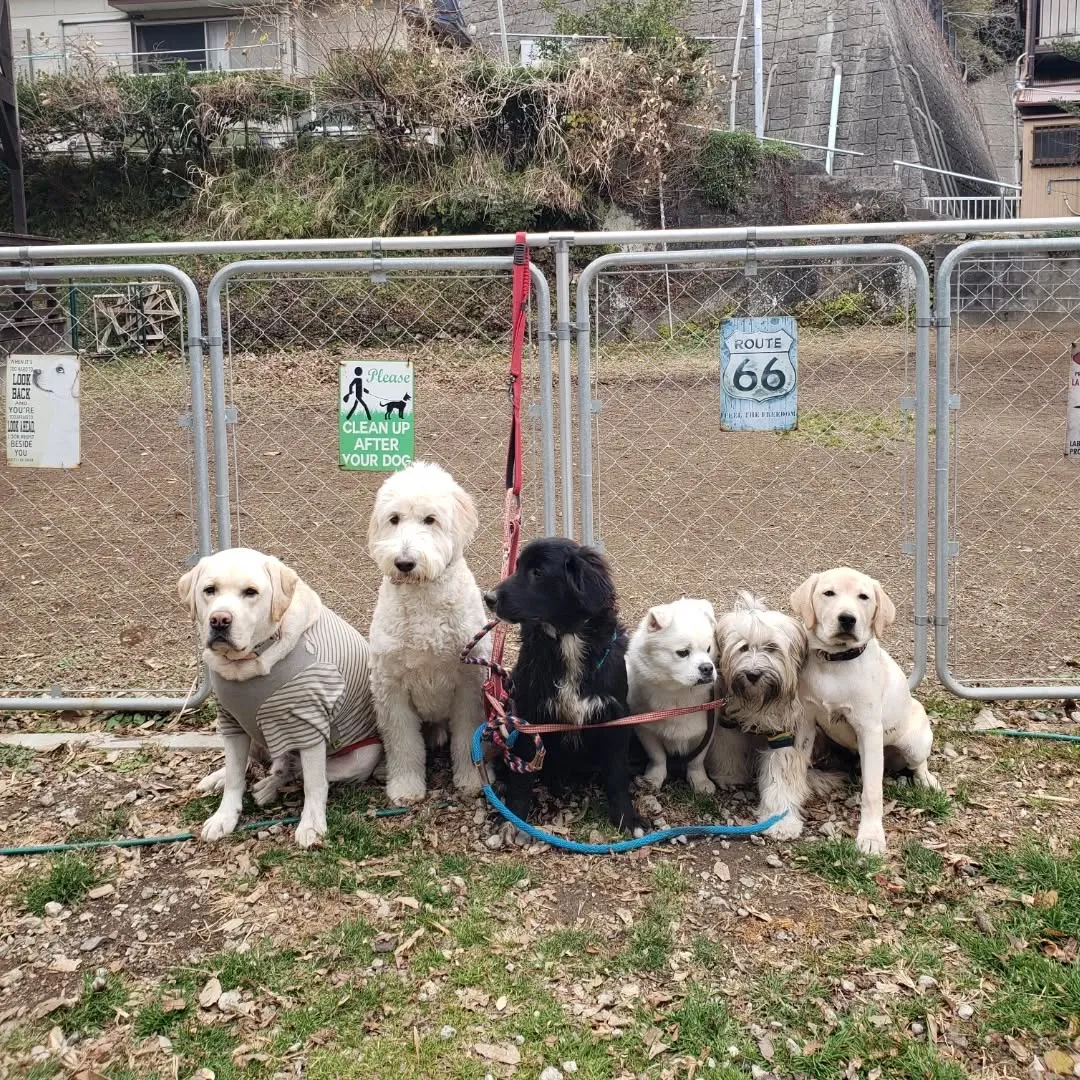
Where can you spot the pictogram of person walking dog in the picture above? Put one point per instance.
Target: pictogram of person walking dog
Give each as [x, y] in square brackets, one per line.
[359, 392]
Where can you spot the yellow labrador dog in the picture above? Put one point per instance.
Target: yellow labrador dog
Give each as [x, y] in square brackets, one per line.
[291, 680]
[854, 691]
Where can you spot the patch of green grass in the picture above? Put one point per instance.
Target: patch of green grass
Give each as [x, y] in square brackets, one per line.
[842, 865]
[15, 758]
[706, 1025]
[848, 429]
[96, 1009]
[943, 706]
[932, 802]
[67, 880]
[135, 762]
[505, 875]
[1031, 955]
[708, 953]
[203, 1046]
[556, 944]
[196, 811]
[651, 940]
[921, 863]
[152, 1019]
[106, 825]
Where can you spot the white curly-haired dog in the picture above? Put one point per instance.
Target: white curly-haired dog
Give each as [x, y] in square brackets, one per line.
[761, 655]
[429, 607]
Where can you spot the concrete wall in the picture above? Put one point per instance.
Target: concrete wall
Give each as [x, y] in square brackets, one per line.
[875, 42]
[993, 98]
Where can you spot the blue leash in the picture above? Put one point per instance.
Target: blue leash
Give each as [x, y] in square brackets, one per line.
[618, 846]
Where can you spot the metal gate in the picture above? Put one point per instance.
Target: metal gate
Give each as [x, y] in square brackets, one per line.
[89, 555]
[279, 329]
[686, 509]
[1006, 573]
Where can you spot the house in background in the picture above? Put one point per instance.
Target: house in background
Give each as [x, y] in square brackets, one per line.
[223, 35]
[1048, 108]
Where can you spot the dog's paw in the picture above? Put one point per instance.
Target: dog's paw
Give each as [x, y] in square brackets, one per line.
[654, 778]
[787, 828]
[925, 778]
[702, 785]
[265, 791]
[310, 834]
[218, 826]
[214, 784]
[871, 840]
[469, 784]
[406, 790]
[635, 825]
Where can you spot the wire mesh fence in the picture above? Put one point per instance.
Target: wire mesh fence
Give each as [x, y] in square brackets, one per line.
[686, 508]
[97, 379]
[1014, 498]
[285, 336]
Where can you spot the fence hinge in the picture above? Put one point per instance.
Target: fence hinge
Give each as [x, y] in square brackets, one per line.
[908, 403]
[564, 331]
[927, 322]
[907, 547]
[596, 406]
[923, 620]
[942, 322]
[192, 559]
[378, 274]
[185, 421]
[952, 549]
[954, 402]
[750, 263]
[215, 343]
[231, 415]
[943, 621]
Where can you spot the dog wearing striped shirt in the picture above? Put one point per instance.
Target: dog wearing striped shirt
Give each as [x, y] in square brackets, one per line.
[291, 680]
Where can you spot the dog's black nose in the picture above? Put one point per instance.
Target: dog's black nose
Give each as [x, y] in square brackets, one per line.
[490, 598]
[220, 620]
[753, 676]
[405, 565]
[706, 670]
[846, 621]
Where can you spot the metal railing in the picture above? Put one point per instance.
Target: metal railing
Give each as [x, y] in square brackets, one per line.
[973, 207]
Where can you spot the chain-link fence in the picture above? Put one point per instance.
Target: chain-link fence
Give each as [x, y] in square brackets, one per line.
[103, 491]
[684, 507]
[287, 327]
[1008, 579]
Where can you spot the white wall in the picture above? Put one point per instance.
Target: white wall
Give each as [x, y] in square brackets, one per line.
[83, 29]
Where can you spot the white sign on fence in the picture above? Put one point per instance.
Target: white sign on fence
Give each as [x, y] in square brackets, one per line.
[1072, 413]
[759, 364]
[43, 411]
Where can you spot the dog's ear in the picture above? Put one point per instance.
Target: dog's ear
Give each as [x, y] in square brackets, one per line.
[185, 587]
[590, 579]
[658, 618]
[466, 521]
[283, 581]
[708, 611]
[800, 646]
[884, 611]
[802, 601]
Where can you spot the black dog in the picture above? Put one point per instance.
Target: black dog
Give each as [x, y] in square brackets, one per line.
[571, 670]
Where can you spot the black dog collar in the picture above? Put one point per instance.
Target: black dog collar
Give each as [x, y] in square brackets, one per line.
[781, 741]
[848, 654]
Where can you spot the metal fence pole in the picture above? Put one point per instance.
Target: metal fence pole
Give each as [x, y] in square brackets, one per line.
[945, 545]
[32, 275]
[563, 331]
[923, 322]
[388, 267]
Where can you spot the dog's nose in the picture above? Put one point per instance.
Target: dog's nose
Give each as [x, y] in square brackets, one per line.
[220, 620]
[846, 621]
[490, 598]
[405, 565]
[753, 676]
[706, 670]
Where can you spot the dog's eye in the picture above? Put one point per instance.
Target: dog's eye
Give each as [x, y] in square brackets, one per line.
[682, 652]
[209, 590]
[429, 520]
[535, 574]
[770, 647]
[249, 591]
[59, 371]
[863, 596]
[828, 592]
[394, 519]
[744, 647]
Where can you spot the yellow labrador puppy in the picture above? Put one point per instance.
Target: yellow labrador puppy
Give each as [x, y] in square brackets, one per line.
[855, 692]
[291, 680]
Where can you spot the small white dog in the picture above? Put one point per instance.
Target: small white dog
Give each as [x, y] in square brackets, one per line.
[429, 607]
[291, 679]
[855, 692]
[761, 655]
[669, 665]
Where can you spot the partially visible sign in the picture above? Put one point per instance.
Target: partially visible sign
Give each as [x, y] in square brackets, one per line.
[375, 415]
[759, 366]
[1072, 413]
[43, 411]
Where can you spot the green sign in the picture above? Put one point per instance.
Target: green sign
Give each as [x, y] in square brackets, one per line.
[375, 415]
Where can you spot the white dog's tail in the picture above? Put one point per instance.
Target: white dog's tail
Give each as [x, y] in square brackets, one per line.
[745, 600]
[825, 783]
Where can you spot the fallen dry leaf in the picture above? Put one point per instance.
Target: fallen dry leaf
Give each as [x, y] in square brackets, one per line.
[208, 996]
[1064, 954]
[1058, 1061]
[505, 1055]
[1046, 899]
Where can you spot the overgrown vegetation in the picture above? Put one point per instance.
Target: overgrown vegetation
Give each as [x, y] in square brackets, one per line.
[428, 139]
[66, 880]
